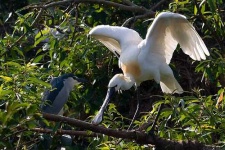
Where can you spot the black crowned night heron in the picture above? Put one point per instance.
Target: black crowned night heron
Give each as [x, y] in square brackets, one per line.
[149, 58]
[54, 100]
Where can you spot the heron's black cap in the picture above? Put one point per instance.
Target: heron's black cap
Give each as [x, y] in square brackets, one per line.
[81, 80]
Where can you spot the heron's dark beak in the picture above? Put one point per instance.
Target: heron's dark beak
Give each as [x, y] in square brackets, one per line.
[98, 118]
[80, 80]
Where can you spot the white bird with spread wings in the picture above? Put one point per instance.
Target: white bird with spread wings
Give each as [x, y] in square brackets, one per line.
[149, 58]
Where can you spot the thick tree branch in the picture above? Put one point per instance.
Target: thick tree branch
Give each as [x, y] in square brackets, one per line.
[137, 136]
[132, 135]
[133, 8]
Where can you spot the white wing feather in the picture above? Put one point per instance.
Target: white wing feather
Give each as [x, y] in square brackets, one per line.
[113, 37]
[167, 30]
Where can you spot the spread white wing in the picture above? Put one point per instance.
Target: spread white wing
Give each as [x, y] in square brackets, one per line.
[113, 37]
[167, 30]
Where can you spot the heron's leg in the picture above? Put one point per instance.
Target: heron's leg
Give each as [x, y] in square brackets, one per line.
[136, 112]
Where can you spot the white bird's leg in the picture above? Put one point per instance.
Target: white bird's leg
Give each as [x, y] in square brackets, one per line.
[98, 118]
[156, 119]
[135, 114]
[137, 108]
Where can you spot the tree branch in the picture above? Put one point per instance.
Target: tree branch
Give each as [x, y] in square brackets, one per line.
[69, 132]
[146, 15]
[132, 135]
[137, 136]
[159, 4]
[133, 8]
[33, 23]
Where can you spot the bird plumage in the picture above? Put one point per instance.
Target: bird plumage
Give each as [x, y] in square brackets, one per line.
[54, 100]
[147, 59]
[59, 94]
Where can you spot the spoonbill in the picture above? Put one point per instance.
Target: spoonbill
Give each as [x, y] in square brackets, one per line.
[149, 58]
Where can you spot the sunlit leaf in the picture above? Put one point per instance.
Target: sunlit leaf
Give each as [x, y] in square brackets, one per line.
[38, 81]
[38, 58]
[15, 64]
[5, 78]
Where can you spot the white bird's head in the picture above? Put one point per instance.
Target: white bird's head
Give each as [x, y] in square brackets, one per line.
[120, 82]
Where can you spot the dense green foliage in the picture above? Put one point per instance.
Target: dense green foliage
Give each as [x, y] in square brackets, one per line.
[57, 43]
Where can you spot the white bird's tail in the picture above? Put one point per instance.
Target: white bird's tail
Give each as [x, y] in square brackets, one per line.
[170, 85]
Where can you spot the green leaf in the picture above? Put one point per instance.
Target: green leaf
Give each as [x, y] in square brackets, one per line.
[203, 8]
[195, 10]
[4, 92]
[38, 58]
[11, 63]
[38, 81]
[7, 79]
[32, 109]
[212, 5]
[42, 38]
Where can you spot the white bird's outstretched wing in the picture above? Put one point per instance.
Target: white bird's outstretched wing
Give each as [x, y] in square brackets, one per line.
[167, 30]
[113, 37]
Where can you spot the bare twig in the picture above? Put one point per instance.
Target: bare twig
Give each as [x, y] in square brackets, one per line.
[159, 4]
[75, 24]
[146, 15]
[33, 23]
[18, 142]
[37, 17]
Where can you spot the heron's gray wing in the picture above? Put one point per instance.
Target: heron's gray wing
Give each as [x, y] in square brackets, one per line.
[50, 96]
